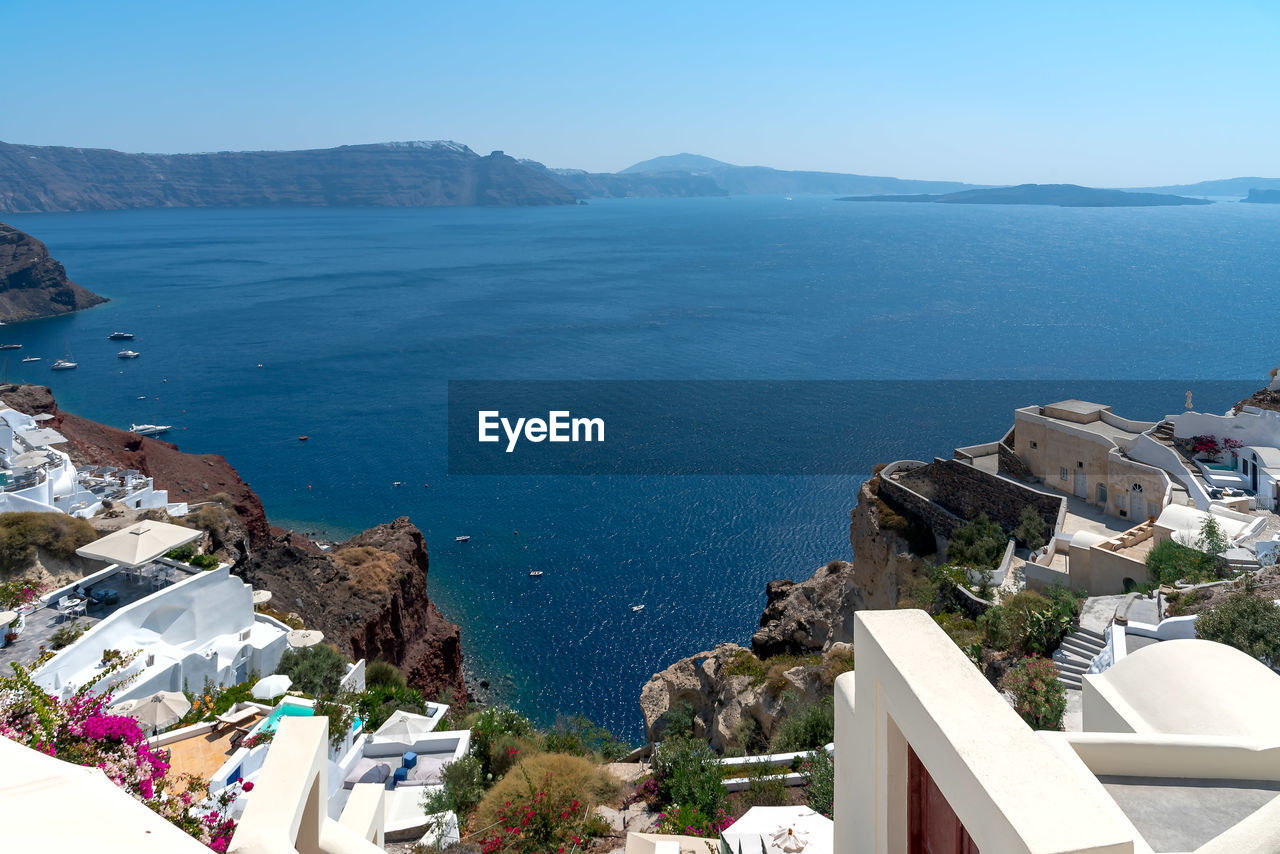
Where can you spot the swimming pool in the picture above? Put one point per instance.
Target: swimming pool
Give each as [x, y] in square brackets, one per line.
[295, 710]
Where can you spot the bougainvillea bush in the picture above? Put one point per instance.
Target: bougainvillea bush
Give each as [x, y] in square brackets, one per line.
[1038, 695]
[80, 730]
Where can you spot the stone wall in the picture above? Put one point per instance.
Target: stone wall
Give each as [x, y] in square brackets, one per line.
[963, 491]
[1012, 465]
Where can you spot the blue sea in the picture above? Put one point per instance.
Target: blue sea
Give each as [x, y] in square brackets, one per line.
[257, 326]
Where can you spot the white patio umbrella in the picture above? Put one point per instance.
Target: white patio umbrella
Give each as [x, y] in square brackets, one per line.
[271, 687]
[404, 726]
[261, 597]
[157, 711]
[140, 543]
[299, 638]
[7, 617]
[780, 830]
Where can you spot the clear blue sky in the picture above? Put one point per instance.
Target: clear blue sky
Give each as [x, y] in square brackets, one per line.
[1117, 93]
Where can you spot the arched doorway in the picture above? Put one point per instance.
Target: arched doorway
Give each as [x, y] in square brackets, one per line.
[1137, 503]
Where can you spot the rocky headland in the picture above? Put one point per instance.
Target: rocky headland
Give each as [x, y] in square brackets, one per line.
[804, 640]
[32, 284]
[368, 595]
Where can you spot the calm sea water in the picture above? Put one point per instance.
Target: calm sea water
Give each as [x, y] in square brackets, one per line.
[359, 317]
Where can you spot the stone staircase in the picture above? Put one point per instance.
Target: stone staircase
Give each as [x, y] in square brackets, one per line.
[1075, 655]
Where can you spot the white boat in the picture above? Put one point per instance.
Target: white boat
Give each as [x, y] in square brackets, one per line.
[461, 539]
[120, 336]
[10, 346]
[31, 359]
[635, 609]
[535, 573]
[149, 429]
[128, 354]
[63, 365]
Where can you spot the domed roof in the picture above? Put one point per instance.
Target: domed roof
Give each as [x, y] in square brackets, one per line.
[1194, 686]
[1084, 539]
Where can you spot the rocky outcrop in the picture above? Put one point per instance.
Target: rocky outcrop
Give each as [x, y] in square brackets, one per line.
[721, 700]
[369, 597]
[32, 284]
[811, 615]
[38, 178]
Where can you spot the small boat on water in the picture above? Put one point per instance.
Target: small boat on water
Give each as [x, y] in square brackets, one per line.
[120, 336]
[64, 365]
[303, 438]
[31, 359]
[462, 539]
[128, 354]
[535, 573]
[635, 609]
[150, 429]
[10, 346]
[142, 397]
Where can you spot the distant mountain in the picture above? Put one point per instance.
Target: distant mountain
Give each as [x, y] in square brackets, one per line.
[395, 174]
[678, 163]
[1062, 195]
[1224, 187]
[619, 185]
[1263, 197]
[763, 180]
[32, 284]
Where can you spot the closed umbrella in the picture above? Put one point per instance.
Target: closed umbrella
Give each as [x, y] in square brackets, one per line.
[271, 686]
[161, 709]
[299, 638]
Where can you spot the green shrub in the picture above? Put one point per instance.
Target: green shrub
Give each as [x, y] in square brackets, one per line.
[489, 725]
[806, 728]
[1246, 621]
[1028, 623]
[378, 673]
[920, 593]
[980, 544]
[182, 553]
[765, 787]
[688, 774]
[820, 782]
[836, 663]
[66, 634]
[379, 702]
[679, 721]
[578, 735]
[463, 788]
[964, 632]
[745, 663]
[22, 533]
[1170, 562]
[1032, 531]
[1038, 695]
[315, 670]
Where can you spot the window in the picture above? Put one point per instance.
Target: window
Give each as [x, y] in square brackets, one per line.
[1079, 464]
[1102, 493]
[1062, 473]
[1034, 446]
[1137, 487]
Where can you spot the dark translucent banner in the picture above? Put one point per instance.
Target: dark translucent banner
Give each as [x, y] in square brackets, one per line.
[769, 427]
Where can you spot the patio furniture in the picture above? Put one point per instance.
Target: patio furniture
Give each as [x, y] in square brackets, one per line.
[69, 606]
[367, 771]
[400, 775]
[409, 759]
[234, 719]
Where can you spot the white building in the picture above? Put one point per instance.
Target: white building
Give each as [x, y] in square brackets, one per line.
[200, 627]
[34, 476]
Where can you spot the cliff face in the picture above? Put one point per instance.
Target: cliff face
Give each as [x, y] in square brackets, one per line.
[814, 614]
[37, 178]
[369, 597]
[31, 283]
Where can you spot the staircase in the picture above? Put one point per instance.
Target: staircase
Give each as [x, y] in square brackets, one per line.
[1075, 655]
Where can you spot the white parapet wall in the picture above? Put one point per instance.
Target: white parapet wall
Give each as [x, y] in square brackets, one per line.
[914, 691]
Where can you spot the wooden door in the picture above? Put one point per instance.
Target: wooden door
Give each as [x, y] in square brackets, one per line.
[932, 825]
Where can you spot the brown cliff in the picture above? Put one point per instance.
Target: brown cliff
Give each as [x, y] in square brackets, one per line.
[32, 284]
[369, 597]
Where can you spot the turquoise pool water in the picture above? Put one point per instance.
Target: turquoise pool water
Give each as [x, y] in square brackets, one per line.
[1219, 466]
[293, 710]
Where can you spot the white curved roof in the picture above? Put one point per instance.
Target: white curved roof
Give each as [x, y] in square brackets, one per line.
[1084, 539]
[1194, 687]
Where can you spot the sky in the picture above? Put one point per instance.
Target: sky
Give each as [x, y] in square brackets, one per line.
[1105, 94]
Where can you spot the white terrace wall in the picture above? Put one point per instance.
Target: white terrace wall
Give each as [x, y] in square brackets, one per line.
[913, 687]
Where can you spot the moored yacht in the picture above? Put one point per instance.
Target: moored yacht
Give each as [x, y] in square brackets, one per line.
[149, 429]
[31, 359]
[128, 354]
[10, 346]
[64, 365]
[120, 336]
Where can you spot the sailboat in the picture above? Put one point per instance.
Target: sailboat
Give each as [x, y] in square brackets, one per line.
[65, 364]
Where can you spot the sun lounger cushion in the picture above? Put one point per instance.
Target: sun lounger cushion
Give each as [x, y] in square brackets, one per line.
[426, 773]
[367, 771]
